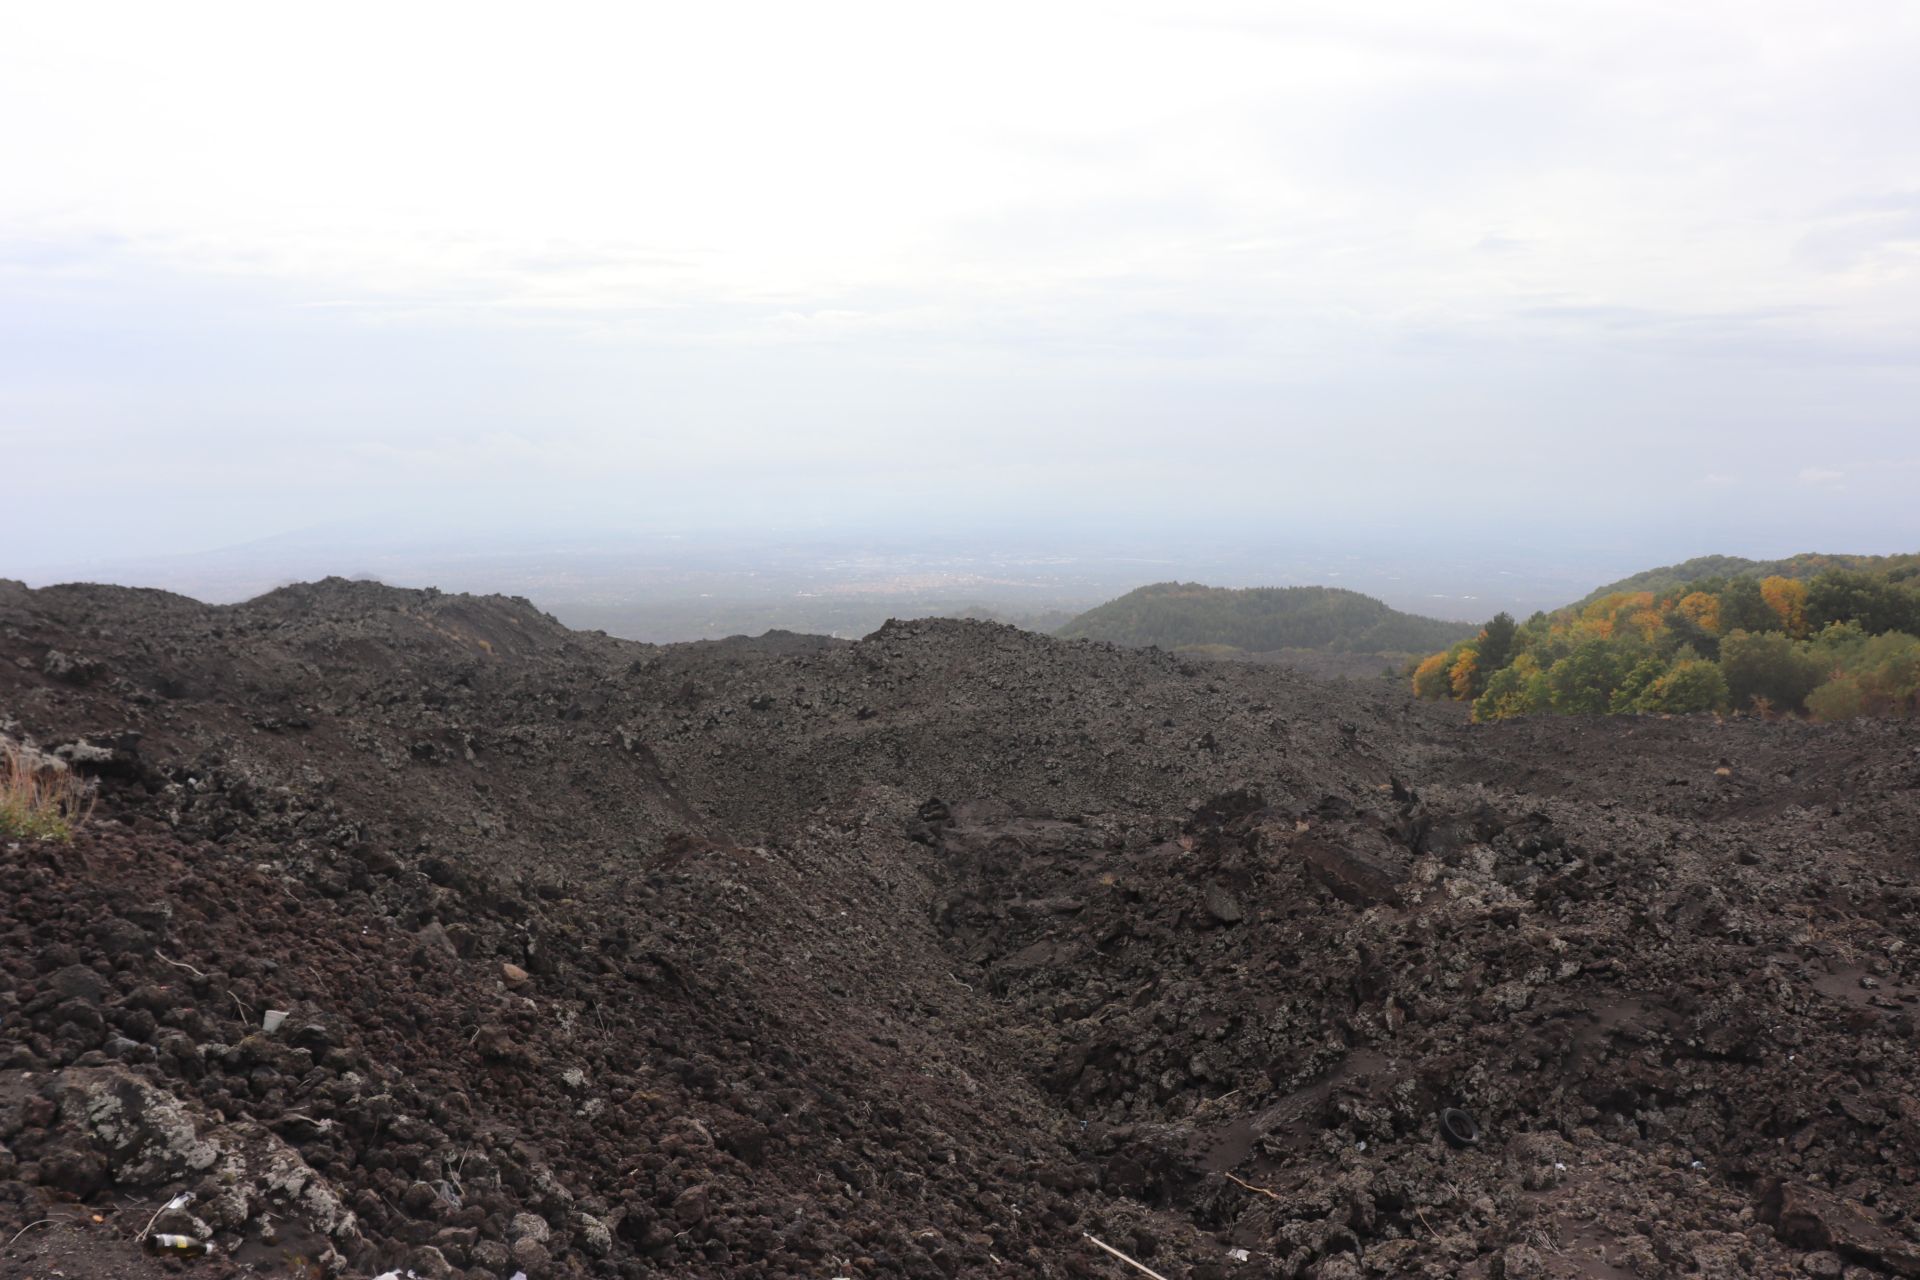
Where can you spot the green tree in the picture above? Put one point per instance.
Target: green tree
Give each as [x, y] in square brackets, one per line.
[1768, 665]
[1685, 634]
[1744, 607]
[1517, 689]
[1633, 688]
[1838, 645]
[1496, 643]
[1871, 600]
[1582, 683]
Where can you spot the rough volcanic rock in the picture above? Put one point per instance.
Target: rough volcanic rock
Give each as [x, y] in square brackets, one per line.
[613, 960]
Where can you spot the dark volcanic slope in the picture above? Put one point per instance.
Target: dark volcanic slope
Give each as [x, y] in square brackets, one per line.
[605, 959]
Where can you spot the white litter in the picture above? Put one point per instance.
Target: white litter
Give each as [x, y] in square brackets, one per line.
[271, 1023]
[180, 1201]
[1238, 1255]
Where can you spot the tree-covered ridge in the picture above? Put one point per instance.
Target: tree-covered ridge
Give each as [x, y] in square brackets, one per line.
[1260, 619]
[1840, 643]
[1807, 564]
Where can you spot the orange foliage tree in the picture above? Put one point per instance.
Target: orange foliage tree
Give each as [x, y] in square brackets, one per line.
[1702, 610]
[1460, 677]
[1787, 597]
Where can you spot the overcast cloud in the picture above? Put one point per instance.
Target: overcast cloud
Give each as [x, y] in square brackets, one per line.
[1527, 270]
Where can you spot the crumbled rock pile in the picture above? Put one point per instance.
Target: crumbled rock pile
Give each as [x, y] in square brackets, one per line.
[929, 955]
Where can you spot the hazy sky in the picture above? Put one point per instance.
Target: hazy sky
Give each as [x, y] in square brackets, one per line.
[1545, 270]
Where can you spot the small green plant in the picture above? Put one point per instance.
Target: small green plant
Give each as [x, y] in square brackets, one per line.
[39, 801]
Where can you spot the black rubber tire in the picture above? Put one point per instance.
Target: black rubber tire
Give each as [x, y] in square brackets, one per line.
[1458, 1128]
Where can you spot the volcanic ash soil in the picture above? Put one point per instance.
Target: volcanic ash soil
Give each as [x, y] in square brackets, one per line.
[414, 931]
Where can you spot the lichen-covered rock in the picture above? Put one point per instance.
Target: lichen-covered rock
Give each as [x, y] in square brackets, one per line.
[592, 1235]
[529, 1226]
[148, 1136]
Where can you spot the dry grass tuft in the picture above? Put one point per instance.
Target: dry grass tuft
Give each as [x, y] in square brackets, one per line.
[39, 801]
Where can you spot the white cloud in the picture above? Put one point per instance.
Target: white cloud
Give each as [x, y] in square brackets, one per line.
[1395, 162]
[1361, 253]
[1823, 478]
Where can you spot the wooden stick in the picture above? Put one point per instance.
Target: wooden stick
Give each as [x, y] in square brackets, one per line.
[1269, 1194]
[176, 964]
[43, 1222]
[1142, 1268]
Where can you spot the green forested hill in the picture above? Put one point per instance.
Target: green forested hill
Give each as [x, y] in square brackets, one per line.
[1800, 567]
[1829, 636]
[1261, 619]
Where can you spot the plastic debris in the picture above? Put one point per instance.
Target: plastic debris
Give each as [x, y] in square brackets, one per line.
[1238, 1255]
[271, 1023]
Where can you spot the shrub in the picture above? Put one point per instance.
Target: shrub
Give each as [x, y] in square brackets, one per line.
[1767, 665]
[1837, 699]
[1694, 685]
[1888, 669]
[39, 799]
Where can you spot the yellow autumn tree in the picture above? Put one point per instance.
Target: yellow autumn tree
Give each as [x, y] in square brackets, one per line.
[1787, 597]
[1602, 616]
[1430, 678]
[1460, 677]
[1702, 610]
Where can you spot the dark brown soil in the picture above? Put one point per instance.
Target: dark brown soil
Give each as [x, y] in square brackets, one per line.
[930, 955]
